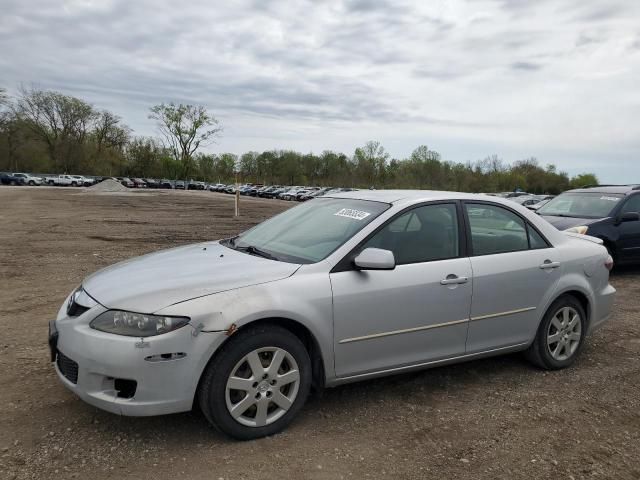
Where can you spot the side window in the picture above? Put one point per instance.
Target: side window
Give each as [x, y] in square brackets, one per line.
[632, 204]
[422, 234]
[495, 229]
[536, 241]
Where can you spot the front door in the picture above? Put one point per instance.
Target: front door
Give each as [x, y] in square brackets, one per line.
[413, 314]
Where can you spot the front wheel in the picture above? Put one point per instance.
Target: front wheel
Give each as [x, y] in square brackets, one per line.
[560, 336]
[257, 383]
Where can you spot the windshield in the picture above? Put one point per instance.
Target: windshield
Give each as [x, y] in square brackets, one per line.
[309, 232]
[581, 205]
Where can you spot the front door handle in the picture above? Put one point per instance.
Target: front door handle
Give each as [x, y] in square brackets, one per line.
[453, 280]
[548, 264]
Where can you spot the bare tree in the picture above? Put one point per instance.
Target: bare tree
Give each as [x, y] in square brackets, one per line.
[185, 128]
[60, 121]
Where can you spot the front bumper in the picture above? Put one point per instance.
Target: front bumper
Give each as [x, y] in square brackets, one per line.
[105, 361]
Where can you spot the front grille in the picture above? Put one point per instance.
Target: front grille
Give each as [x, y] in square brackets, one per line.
[67, 367]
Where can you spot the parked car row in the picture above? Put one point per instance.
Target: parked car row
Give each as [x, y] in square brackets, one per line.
[163, 183]
[298, 193]
[65, 180]
[51, 180]
[281, 192]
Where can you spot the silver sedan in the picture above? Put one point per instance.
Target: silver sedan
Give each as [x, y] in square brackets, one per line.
[346, 287]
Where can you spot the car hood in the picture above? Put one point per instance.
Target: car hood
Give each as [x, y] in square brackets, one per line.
[149, 283]
[562, 223]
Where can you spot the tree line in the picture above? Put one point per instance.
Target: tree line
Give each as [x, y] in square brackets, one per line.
[50, 132]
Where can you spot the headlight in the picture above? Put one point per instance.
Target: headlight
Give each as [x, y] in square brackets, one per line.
[136, 324]
[79, 302]
[582, 230]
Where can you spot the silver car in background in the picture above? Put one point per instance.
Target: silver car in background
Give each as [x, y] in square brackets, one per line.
[345, 287]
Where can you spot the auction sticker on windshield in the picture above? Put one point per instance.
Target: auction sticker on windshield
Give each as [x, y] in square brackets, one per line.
[351, 213]
[611, 199]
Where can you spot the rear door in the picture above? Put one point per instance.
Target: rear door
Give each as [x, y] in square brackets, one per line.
[415, 313]
[514, 271]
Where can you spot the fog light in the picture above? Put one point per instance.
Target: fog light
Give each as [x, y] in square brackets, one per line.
[125, 388]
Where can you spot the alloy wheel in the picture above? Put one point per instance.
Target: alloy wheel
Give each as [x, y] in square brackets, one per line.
[262, 386]
[564, 333]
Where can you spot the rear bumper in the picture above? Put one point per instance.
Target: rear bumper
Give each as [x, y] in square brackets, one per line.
[602, 307]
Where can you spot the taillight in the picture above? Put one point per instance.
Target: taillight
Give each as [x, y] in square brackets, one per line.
[608, 263]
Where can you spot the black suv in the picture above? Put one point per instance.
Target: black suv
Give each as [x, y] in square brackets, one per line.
[609, 212]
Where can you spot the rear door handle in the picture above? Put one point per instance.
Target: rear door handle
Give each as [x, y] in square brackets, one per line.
[453, 280]
[548, 264]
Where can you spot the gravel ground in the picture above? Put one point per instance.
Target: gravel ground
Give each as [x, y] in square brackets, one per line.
[495, 418]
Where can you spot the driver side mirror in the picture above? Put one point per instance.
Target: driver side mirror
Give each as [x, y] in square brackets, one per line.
[629, 217]
[375, 259]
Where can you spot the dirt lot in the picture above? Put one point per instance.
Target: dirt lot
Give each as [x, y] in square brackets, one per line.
[496, 418]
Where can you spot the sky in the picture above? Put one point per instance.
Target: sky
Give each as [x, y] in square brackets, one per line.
[558, 80]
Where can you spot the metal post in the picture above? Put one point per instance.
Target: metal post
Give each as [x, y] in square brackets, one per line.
[237, 202]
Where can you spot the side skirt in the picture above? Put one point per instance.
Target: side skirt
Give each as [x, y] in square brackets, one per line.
[425, 365]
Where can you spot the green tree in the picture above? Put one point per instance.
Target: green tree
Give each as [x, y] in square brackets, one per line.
[144, 158]
[583, 180]
[224, 167]
[370, 162]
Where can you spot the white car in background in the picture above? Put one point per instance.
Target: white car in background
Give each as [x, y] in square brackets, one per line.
[62, 181]
[29, 179]
[83, 181]
[291, 193]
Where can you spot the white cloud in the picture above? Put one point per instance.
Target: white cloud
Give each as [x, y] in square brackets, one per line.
[552, 79]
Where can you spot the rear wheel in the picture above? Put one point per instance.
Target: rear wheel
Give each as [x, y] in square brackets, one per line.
[560, 336]
[257, 383]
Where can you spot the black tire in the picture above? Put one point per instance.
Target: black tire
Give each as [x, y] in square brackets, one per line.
[13, 183]
[31, 183]
[539, 353]
[212, 390]
[74, 184]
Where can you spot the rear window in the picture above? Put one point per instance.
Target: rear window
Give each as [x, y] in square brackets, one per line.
[581, 205]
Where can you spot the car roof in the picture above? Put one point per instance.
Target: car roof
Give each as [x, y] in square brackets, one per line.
[620, 189]
[408, 196]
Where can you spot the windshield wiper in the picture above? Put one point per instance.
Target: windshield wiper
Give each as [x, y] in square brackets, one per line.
[563, 215]
[251, 250]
